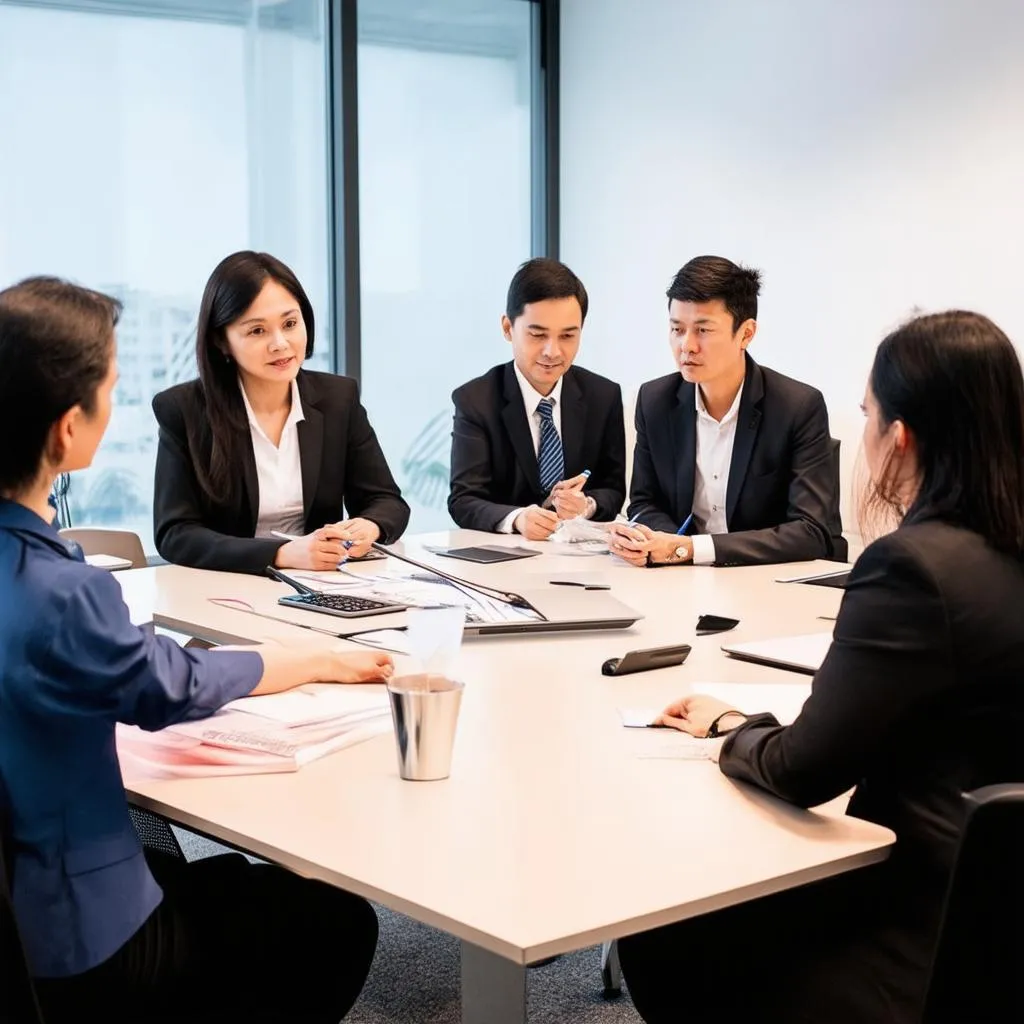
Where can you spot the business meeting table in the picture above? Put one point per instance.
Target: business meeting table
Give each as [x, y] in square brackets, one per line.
[558, 827]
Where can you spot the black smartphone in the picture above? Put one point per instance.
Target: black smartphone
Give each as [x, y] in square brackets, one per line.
[642, 661]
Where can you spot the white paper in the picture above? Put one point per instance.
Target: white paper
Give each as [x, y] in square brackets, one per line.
[638, 718]
[676, 746]
[314, 702]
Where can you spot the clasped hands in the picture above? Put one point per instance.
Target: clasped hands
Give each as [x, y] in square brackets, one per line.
[640, 545]
[567, 501]
[325, 548]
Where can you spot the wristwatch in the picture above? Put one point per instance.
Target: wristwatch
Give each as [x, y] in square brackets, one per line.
[677, 556]
[591, 510]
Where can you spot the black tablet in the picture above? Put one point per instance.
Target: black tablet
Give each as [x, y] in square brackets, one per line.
[486, 554]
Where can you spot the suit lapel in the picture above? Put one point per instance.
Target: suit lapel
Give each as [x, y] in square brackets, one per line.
[514, 416]
[574, 413]
[250, 479]
[748, 422]
[311, 445]
[684, 447]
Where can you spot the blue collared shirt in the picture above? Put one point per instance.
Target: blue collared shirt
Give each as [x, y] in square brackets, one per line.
[72, 665]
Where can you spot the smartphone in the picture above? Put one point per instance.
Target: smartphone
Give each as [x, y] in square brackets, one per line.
[642, 661]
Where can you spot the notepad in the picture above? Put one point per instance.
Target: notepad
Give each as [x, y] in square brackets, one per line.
[803, 653]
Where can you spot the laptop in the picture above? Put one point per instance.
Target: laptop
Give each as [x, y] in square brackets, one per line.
[798, 653]
[559, 610]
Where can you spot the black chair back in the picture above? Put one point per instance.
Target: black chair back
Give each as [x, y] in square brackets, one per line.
[18, 1003]
[981, 942]
[840, 548]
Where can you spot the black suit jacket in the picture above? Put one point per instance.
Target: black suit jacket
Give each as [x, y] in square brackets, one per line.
[782, 502]
[494, 464]
[920, 698]
[342, 465]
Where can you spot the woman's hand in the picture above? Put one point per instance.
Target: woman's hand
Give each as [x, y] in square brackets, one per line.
[319, 551]
[361, 533]
[694, 714]
[359, 667]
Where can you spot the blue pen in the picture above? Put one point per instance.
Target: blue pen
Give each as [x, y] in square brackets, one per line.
[686, 525]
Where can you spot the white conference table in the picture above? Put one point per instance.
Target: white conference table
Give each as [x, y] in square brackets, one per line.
[551, 834]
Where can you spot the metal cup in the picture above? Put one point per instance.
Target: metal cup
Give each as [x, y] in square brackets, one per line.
[425, 710]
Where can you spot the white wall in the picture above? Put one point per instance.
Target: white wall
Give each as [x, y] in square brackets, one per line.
[868, 157]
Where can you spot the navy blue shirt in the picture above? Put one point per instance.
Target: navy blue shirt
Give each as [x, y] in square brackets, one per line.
[72, 665]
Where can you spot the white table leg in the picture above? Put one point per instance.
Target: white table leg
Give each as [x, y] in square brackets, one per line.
[493, 988]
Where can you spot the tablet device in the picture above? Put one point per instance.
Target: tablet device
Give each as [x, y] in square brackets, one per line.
[486, 555]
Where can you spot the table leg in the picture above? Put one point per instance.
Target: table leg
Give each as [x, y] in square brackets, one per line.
[611, 972]
[493, 988]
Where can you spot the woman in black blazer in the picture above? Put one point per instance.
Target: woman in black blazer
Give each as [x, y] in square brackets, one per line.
[920, 698]
[258, 447]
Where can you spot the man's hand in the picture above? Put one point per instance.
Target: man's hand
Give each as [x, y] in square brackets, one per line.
[567, 497]
[536, 523]
[634, 542]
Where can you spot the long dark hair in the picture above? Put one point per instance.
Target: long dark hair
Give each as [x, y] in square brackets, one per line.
[56, 343]
[230, 291]
[955, 380]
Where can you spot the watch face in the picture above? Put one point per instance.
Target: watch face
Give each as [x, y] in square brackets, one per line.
[680, 551]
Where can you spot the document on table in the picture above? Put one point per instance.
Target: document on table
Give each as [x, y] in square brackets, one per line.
[419, 589]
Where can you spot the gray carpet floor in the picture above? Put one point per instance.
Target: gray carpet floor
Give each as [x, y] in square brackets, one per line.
[415, 976]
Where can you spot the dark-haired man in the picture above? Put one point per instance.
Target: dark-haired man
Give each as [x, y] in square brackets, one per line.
[733, 463]
[526, 431]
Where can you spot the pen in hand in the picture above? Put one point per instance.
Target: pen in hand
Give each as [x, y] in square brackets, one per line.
[549, 500]
[346, 544]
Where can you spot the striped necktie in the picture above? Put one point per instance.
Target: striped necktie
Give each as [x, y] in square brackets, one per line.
[550, 460]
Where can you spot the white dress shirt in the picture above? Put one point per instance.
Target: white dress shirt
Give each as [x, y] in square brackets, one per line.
[278, 472]
[715, 440]
[531, 399]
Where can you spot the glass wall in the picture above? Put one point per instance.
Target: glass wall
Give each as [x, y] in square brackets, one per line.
[444, 178]
[139, 147]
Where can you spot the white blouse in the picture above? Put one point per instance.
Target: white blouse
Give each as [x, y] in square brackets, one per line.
[278, 472]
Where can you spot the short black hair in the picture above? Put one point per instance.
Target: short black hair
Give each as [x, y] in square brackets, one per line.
[706, 278]
[539, 279]
[56, 343]
[955, 380]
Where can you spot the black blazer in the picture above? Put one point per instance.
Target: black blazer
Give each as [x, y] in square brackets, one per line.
[342, 465]
[782, 502]
[494, 464]
[920, 698]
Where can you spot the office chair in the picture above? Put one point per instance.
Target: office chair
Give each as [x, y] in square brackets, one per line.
[118, 543]
[18, 1003]
[981, 940]
[840, 547]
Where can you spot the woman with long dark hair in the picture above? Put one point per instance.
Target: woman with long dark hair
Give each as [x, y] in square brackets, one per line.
[259, 447]
[111, 932]
[920, 698]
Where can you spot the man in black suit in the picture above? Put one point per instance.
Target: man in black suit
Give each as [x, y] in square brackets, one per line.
[733, 463]
[526, 432]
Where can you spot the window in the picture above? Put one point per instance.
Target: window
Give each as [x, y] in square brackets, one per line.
[144, 141]
[445, 90]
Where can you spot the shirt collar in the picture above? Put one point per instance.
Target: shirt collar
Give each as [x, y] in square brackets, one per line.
[295, 414]
[531, 397]
[19, 519]
[734, 409]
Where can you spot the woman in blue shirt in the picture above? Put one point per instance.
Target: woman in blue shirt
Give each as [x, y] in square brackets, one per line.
[110, 931]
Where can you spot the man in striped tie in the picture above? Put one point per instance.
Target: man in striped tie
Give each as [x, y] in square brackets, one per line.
[538, 440]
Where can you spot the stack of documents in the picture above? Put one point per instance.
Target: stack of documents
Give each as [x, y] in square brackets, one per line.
[276, 733]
